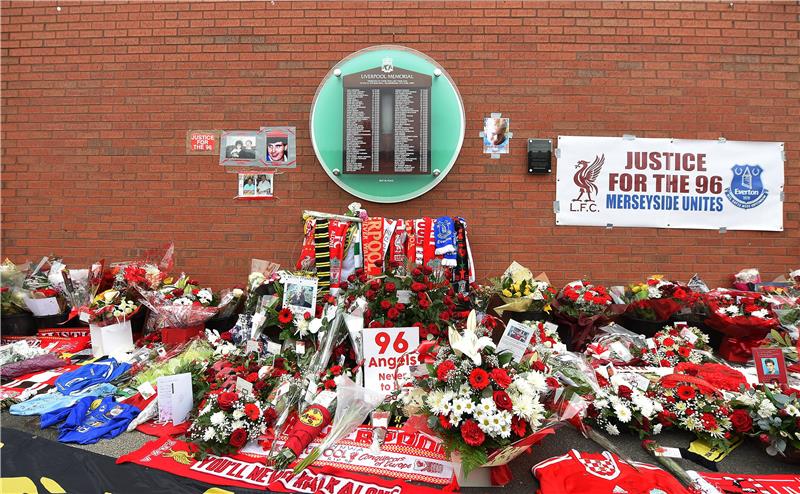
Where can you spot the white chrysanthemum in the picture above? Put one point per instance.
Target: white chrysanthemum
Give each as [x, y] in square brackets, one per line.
[504, 431]
[459, 407]
[691, 423]
[537, 381]
[217, 418]
[205, 409]
[531, 411]
[653, 292]
[487, 406]
[600, 404]
[623, 414]
[464, 390]
[612, 430]
[182, 301]
[435, 400]
[761, 314]
[522, 387]
[792, 411]
[766, 409]
[657, 429]
[238, 414]
[239, 424]
[485, 423]
[469, 406]
[208, 434]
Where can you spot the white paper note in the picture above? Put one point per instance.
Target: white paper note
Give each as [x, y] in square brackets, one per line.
[515, 339]
[174, 398]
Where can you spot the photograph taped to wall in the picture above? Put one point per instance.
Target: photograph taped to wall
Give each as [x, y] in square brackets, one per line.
[238, 148]
[495, 135]
[254, 185]
[300, 294]
[277, 146]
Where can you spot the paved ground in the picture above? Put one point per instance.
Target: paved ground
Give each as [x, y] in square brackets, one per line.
[747, 458]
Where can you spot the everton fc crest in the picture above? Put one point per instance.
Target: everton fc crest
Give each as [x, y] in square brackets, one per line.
[746, 190]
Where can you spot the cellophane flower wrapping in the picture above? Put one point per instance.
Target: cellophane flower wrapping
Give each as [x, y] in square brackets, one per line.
[739, 314]
[521, 291]
[353, 404]
[13, 294]
[174, 312]
[617, 345]
[197, 350]
[657, 299]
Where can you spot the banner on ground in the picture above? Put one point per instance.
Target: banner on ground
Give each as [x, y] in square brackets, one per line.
[173, 456]
[669, 183]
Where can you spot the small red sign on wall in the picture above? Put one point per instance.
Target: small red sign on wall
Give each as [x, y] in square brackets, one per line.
[202, 142]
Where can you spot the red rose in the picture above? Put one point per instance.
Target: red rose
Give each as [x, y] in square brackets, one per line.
[418, 287]
[307, 316]
[252, 411]
[669, 341]
[502, 400]
[336, 370]
[686, 392]
[538, 366]
[500, 376]
[471, 433]
[238, 438]
[375, 284]
[371, 294]
[444, 316]
[519, 426]
[226, 336]
[684, 351]
[393, 313]
[400, 307]
[625, 392]
[385, 304]
[375, 324]
[390, 287]
[285, 316]
[741, 421]
[259, 385]
[665, 363]
[427, 269]
[388, 324]
[444, 422]
[226, 400]
[478, 379]
[444, 368]
[416, 272]
[679, 294]
[424, 303]
[252, 377]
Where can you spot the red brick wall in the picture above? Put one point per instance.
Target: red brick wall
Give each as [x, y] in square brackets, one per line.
[97, 98]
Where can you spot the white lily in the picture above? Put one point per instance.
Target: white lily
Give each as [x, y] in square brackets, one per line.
[469, 344]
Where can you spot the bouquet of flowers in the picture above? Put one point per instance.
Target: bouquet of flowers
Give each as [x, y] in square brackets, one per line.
[581, 308]
[671, 346]
[111, 307]
[521, 292]
[12, 293]
[419, 299]
[743, 318]
[616, 345]
[774, 417]
[477, 400]
[180, 304]
[746, 279]
[657, 299]
[618, 404]
[226, 421]
[696, 406]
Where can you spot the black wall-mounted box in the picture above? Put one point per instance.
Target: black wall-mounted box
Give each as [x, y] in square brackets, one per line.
[540, 155]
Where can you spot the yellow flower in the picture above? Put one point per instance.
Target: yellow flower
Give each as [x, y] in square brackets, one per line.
[517, 295]
[507, 292]
[527, 291]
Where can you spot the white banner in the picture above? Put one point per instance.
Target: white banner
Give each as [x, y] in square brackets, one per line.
[669, 183]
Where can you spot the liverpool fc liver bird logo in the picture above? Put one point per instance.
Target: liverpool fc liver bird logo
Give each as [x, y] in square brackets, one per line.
[586, 175]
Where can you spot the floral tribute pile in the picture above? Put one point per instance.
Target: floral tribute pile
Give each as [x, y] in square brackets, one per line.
[281, 362]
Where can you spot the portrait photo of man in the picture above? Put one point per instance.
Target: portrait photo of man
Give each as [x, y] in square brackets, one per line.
[277, 147]
[770, 367]
[495, 135]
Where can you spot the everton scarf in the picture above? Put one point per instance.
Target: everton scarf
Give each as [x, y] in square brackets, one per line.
[322, 255]
[445, 238]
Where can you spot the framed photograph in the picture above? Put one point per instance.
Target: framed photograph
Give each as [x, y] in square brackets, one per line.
[770, 365]
[495, 135]
[202, 142]
[300, 294]
[277, 146]
[238, 148]
[255, 185]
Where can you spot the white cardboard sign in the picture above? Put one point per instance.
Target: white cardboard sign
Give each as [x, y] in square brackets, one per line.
[387, 354]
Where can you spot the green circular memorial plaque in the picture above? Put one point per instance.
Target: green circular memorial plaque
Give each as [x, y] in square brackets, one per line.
[387, 123]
